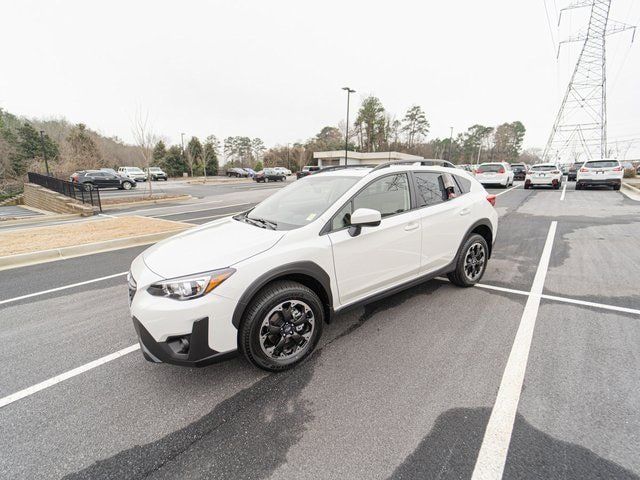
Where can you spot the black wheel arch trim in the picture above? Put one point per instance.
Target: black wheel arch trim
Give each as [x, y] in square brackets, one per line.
[484, 223]
[306, 268]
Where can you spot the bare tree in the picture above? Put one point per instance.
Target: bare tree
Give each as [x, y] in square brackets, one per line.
[145, 139]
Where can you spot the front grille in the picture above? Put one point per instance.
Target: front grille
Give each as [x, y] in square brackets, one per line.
[133, 286]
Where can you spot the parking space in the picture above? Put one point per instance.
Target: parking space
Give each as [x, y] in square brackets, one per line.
[406, 387]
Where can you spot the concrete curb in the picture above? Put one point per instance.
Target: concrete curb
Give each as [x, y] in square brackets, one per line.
[36, 220]
[119, 206]
[630, 192]
[43, 256]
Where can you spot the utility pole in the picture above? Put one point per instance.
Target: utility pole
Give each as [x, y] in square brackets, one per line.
[479, 150]
[288, 161]
[450, 143]
[346, 134]
[581, 122]
[44, 153]
[182, 143]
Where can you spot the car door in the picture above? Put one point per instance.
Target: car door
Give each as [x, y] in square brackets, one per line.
[111, 180]
[378, 257]
[444, 217]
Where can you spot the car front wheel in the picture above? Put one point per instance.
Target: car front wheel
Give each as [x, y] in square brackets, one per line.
[471, 263]
[281, 326]
[127, 185]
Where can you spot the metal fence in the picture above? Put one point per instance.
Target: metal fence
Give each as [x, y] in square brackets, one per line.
[68, 189]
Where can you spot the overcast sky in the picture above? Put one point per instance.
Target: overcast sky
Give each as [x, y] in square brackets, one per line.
[274, 69]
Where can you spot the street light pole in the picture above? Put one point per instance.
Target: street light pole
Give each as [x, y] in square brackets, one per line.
[182, 142]
[288, 161]
[44, 153]
[346, 133]
[450, 143]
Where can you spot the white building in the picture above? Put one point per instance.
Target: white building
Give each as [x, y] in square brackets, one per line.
[336, 157]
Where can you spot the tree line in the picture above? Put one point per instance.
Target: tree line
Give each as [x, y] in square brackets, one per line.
[70, 147]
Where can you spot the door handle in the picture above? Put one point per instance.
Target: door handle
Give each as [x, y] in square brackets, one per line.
[411, 226]
[465, 211]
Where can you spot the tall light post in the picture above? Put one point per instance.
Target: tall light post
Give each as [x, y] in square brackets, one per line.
[346, 133]
[288, 161]
[44, 153]
[182, 143]
[450, 143]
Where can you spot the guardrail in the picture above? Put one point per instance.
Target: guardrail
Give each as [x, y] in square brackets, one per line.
[68, 189]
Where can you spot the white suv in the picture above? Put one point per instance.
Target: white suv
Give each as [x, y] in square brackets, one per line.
[134, 173]
[547, 174]
[265, 281]
[600, 172]
[495, 173]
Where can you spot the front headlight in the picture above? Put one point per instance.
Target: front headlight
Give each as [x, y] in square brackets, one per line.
[193, 286]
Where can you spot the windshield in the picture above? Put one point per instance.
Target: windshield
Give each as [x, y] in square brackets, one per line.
[154, 169]
[301, 202]
[544, 168]
[134, 170]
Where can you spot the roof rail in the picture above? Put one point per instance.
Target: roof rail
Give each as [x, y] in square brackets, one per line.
[331, 168]
[423, 163]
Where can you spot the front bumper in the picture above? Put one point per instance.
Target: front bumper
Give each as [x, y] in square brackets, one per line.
[197, 354]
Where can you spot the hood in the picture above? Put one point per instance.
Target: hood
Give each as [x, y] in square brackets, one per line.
[216, 245]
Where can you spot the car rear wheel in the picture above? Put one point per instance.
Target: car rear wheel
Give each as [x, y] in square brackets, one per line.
[88, 186]
[616, 187]
[471, 263]
[281, 326]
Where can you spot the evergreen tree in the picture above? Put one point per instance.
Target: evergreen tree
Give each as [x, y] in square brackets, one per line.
[159, 152]
[173, 163]
[211, 148]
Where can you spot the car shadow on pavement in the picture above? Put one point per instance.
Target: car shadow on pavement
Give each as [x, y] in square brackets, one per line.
[451, 449]
[247, 435]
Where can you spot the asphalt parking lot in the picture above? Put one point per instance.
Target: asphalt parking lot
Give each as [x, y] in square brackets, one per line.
[535, 373]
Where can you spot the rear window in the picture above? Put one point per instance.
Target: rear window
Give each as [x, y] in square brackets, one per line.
[543, 168]
[601, 164]
[490, 168]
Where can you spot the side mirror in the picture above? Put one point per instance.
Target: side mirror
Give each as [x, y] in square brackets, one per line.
[364, 217]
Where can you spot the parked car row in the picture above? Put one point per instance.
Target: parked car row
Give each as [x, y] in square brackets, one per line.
[250, 173]
[125, 178]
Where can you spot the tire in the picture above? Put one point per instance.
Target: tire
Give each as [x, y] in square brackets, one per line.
[616, 187]
[88, 187]
[127, 185]
[527, 186]
[459, 276]
[261, 314]
[578, 186]
[282, 179]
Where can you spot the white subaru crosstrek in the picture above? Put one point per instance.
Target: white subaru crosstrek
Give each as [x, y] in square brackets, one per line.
[265, 281]
[495, 173]
[600, 172]
[543, 174]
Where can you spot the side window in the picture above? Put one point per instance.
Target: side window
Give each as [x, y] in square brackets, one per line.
[389, 195]
[342, 219]
[429, 188]
[463, 183]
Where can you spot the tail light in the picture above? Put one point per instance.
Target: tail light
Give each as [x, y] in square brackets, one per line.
[617, 169]
[492, 200]
[583, 170]
[555, 172]
[501, 170]
[479, 170]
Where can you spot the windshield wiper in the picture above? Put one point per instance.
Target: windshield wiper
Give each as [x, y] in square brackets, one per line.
[261, 222]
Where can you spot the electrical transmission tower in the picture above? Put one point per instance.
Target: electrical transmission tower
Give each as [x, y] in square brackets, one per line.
[580, 127]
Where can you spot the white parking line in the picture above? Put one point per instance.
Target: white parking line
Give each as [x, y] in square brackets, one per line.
[200, 210]
[564, 190]
[495, 444]
[604, 306]
[57, 289]
[65, 376]
[507, 191]
[160, 207]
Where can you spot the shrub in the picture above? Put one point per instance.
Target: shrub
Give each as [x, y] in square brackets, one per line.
[629, 173]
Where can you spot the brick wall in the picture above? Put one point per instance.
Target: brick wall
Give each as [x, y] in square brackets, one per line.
[44, 199]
